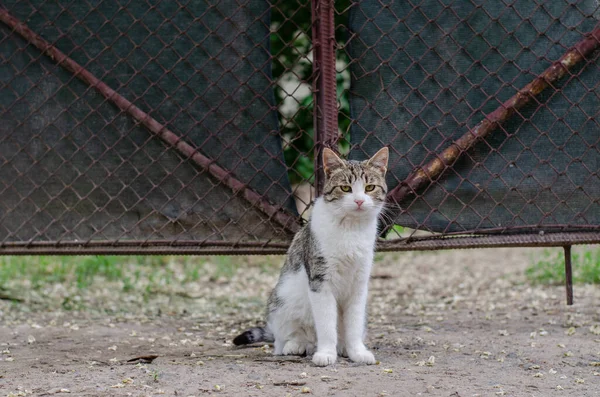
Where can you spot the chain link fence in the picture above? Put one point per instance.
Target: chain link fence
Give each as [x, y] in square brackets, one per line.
[197, 127]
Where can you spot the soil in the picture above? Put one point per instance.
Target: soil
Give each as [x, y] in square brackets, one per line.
[454, 323]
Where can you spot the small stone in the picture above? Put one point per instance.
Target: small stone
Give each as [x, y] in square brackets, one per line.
[430, 361]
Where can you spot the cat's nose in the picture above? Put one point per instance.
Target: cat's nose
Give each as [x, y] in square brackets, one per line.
[359, 202]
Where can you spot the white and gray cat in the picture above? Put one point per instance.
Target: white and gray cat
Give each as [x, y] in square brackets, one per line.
[319, 303]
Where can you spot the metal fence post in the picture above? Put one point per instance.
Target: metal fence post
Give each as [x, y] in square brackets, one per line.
[568, 274]
[324, 84]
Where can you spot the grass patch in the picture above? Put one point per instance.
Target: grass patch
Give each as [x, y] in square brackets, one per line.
[550, 268]
[82, 271]
[79, 270]
[117, 284]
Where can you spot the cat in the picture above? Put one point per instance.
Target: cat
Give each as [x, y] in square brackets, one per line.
[318, 305]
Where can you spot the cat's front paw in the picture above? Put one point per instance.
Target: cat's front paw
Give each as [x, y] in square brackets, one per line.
[322, 359]
[293, 348]
[361, 356]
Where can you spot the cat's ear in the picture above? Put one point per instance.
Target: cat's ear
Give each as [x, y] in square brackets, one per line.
[331, 161]
[380, 159]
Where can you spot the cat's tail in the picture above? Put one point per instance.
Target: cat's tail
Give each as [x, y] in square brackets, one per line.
[254, 335]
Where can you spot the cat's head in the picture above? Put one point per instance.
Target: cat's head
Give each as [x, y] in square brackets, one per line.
[355, 188]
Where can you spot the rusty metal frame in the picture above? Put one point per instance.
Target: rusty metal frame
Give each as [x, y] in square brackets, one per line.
[326, 135]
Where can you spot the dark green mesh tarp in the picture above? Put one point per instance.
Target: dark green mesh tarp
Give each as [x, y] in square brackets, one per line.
[72, 166]
[424, 73]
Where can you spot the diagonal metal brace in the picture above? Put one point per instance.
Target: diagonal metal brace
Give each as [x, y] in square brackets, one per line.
[423, 176]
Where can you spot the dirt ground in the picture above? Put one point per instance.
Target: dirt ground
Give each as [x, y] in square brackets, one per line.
[454, 323]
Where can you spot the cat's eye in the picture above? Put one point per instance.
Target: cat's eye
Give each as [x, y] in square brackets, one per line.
[346, 189]
[369, 188]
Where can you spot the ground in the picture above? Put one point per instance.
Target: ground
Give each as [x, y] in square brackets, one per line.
[449, 323]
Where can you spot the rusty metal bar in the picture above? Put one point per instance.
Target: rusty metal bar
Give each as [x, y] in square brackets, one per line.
[145, 243]
[432, 170]
[142, 251]
[324, 85]
[277, 213]
[189, 247]
[568, 275]
[515, 240]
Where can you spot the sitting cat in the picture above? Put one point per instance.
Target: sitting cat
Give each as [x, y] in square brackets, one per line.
[320, 300]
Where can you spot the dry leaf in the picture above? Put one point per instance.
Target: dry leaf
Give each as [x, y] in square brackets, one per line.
[143, 359]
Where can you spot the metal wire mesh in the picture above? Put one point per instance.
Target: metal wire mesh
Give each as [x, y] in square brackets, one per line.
[489, 109]
[143, 123]
[160, 126]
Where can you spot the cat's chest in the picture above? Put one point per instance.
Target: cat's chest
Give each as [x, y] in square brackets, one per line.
[347, 249]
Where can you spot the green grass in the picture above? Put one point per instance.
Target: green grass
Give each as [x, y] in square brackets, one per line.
[550, 269]
[82, 271]
[115, 284]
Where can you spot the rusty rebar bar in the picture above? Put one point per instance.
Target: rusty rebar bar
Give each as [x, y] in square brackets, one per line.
[324, 85]
[288, 222]
[166, 247]
[482, 241]
[421, 177]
